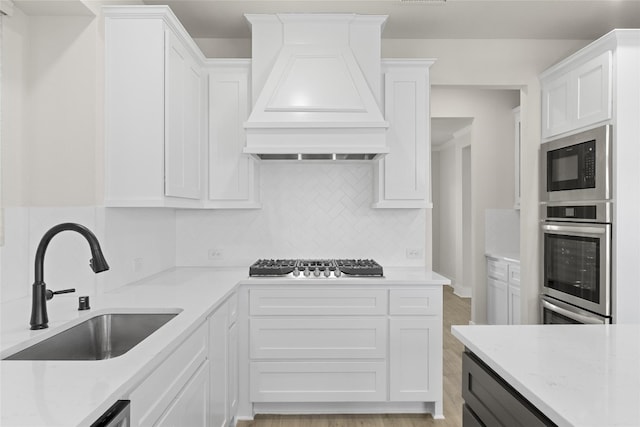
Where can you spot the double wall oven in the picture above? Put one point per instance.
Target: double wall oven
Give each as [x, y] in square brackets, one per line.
[577, 228]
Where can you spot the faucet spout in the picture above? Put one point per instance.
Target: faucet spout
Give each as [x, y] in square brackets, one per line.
[39, 317]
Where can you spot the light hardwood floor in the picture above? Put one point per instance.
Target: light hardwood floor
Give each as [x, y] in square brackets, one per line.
[457, 311]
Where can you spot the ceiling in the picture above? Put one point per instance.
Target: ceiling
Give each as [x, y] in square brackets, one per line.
[455, 19]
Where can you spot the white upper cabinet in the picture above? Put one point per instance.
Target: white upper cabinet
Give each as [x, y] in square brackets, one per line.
[402, 177]
[233, 175]
[153, 109]
[577, 95]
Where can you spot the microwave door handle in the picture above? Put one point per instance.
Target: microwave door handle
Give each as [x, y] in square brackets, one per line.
[573, 229]
[570, 314]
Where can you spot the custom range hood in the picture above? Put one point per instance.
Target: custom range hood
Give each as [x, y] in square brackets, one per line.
[316, 87]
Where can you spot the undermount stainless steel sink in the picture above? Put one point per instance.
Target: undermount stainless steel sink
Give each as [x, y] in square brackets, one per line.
[101, 337]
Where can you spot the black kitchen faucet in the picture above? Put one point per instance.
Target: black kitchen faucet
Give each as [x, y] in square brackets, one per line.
[39, 318]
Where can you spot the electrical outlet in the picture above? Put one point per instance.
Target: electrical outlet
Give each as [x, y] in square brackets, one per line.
[138, 263]
[216, 254]
[414, 253]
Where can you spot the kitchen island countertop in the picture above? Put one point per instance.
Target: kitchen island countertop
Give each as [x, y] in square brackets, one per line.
[76, 393]
[577, 375]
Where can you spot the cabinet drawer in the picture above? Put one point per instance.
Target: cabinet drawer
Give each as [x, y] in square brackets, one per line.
[494, 401]
[274, 302]
[415, 301]
[315, 338]
[514, 275]
[497, 269]
[318, 381]
[154, 395]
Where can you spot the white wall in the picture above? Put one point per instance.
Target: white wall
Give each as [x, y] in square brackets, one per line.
[61, 98]
[492, 177]
[309, 210]
[125, 235]
[450, 207]
[15, 39]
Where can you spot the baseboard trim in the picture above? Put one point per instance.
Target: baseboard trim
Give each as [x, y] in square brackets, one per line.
[462, 291]
[346, 408]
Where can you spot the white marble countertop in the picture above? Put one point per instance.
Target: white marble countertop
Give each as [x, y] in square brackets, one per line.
[577, 375]
[76, 393]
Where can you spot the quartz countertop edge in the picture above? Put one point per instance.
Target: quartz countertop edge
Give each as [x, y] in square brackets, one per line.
[577, 375]
[68, 393]
[508, 257]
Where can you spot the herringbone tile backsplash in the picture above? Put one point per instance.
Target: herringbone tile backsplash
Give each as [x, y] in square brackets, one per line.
[312, 210]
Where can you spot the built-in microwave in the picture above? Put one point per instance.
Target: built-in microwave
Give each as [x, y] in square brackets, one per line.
[577, 167]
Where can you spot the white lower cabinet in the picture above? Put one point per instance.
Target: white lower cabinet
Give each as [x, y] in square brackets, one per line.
[191, 407]
[305, 348]
[223, 351]
[503, 292]
[415, 341]
[172, 394]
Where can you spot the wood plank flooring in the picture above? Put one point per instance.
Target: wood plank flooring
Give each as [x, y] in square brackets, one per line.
[457, 311]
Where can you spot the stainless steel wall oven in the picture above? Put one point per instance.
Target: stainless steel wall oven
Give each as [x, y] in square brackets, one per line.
[576, 260]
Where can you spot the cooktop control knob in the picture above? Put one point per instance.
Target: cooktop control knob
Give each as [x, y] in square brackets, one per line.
[316, 272]
[306, 272]
[296, 272]
[327, 273]
[337, 273]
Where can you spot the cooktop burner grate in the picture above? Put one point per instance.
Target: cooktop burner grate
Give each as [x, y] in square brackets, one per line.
[316, 268]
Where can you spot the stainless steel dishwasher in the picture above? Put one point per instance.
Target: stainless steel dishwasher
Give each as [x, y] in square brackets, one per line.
[116, 416]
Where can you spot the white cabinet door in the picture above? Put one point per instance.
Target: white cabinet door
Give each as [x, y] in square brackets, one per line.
[191, 406]
[497, 302]
[514, 294]
[514, 304]
[232, 386]
[218, 344]
[593, 90]
[183, 88]
[403, 176]
[233, 175]
[415, 362]
[579, 97]
[557, 111]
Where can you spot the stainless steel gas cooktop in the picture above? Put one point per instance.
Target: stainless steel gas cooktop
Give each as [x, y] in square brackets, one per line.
[321, 268]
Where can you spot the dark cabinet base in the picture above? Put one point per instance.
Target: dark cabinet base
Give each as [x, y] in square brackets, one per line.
[490, 401]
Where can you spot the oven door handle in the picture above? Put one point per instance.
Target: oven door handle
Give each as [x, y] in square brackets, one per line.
[570, 314]
[573, 229]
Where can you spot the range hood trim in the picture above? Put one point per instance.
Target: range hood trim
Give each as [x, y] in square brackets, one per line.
[264, 112]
